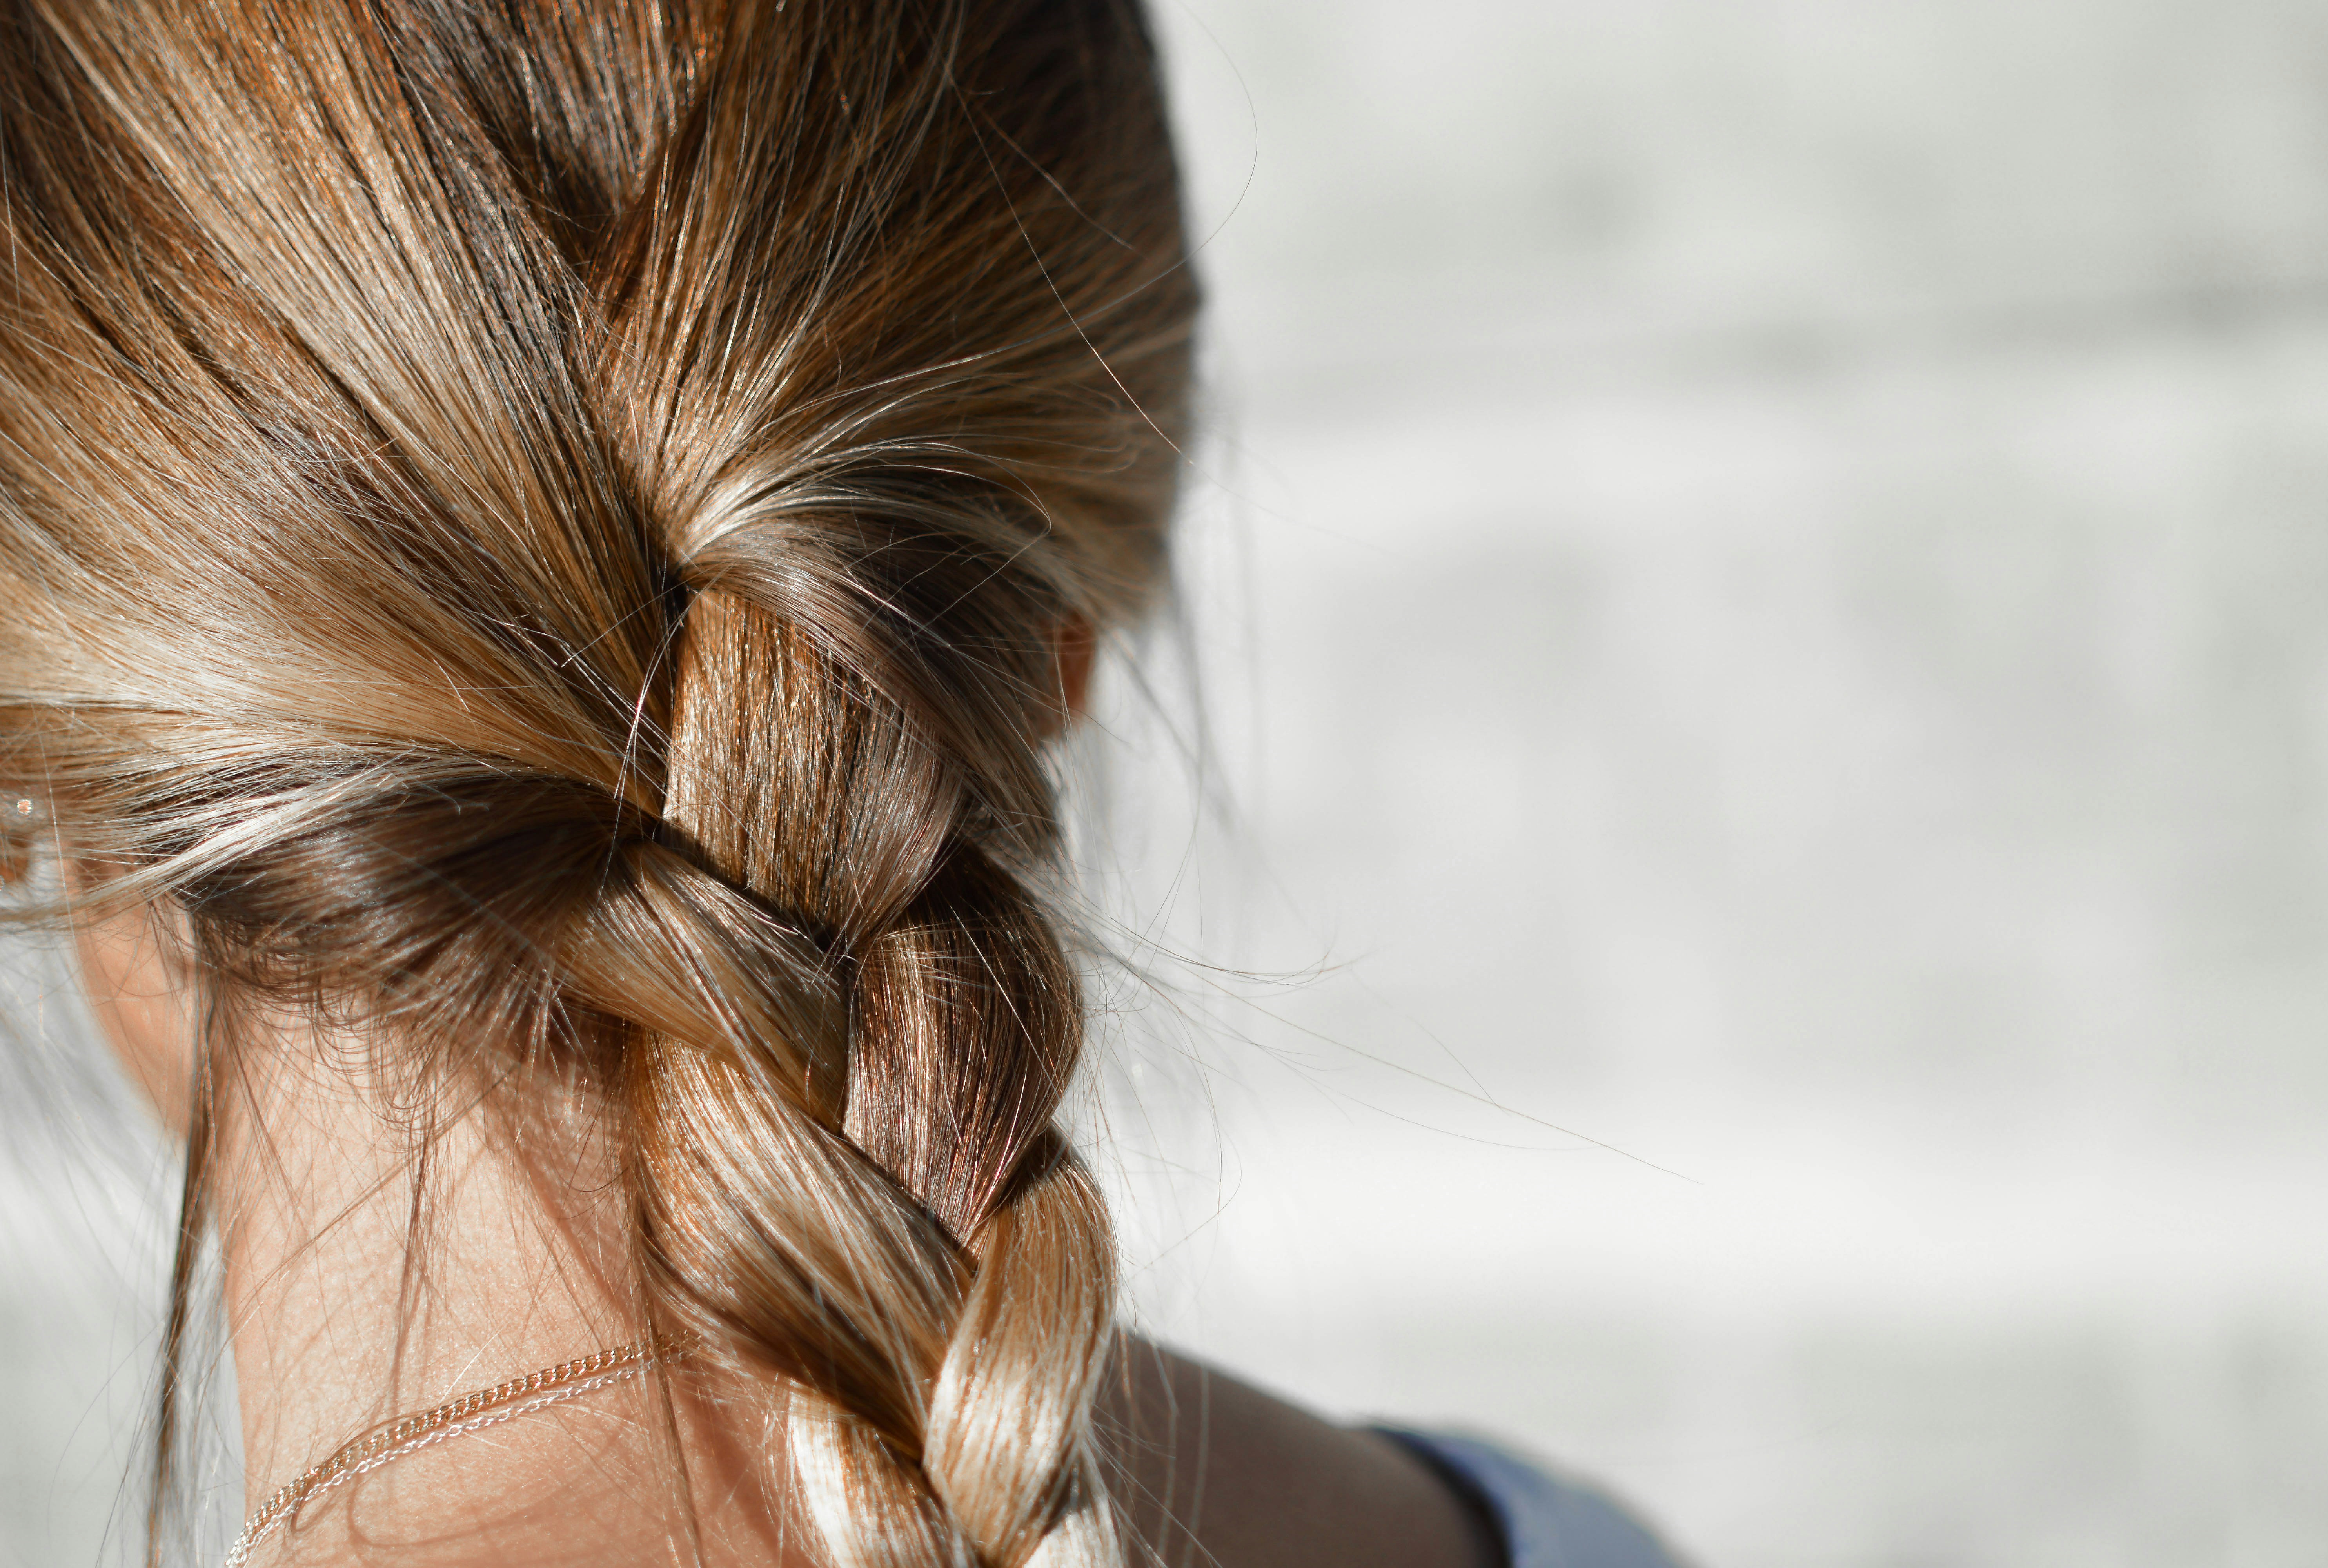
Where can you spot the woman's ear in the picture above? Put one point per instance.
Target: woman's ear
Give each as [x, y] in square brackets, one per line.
[133, 969]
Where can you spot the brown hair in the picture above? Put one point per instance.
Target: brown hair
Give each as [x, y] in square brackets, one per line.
[542, 531]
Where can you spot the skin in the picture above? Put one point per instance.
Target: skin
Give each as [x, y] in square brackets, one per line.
[335, 1331]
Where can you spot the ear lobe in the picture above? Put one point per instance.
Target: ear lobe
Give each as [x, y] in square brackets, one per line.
[134, 972]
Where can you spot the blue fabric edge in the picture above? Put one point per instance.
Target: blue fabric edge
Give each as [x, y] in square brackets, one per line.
[1545, 1521]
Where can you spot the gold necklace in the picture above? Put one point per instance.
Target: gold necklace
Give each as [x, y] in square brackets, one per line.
[473, 1412]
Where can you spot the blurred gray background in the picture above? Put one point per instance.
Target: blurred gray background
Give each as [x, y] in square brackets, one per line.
[1762, 581]
[1758, 916]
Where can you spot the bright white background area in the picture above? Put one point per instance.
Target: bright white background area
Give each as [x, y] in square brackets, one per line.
[1763, 576]
[1760, 578]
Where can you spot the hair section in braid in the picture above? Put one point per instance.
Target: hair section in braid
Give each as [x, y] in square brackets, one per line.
[538, 533]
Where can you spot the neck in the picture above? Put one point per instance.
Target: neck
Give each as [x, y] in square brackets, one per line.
[375, 1269]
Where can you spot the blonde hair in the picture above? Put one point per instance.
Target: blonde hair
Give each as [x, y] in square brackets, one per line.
[543, 531]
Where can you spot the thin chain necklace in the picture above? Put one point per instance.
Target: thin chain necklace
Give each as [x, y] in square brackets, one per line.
[473, 1412]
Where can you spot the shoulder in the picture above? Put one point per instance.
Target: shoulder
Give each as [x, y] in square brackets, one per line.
[1209, 1470]
[1546, 1520]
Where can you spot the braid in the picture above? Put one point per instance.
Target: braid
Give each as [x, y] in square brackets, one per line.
[650, 511]
[959, 1392]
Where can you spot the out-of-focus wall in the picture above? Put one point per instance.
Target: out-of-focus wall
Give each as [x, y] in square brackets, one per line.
[1758, 576]
[1763, 576]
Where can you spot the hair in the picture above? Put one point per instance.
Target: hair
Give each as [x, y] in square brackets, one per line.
[540, 533]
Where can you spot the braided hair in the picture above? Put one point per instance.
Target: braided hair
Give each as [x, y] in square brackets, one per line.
[542, 531]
